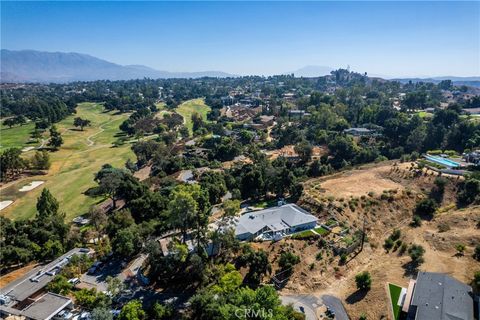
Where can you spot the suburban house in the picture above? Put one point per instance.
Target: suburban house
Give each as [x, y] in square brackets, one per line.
[359, 132]
[297, 114]
[472, 157]
[274, 223]
[437, 296]
[27, 296]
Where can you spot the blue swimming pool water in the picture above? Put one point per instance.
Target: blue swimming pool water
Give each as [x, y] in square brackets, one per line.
[443, 161]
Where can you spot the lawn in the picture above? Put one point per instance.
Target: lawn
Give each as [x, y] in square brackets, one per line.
[395, 291]
[189, 107]
[304, 234]
[73, 166]
[321, 231]
[17, 136]
[424, 114]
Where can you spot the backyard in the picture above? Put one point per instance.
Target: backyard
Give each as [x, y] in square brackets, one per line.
[394, 292]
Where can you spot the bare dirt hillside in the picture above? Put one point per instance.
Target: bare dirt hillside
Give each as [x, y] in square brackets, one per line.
[384, 196]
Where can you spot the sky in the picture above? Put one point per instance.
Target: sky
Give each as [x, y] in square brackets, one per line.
[388, 38]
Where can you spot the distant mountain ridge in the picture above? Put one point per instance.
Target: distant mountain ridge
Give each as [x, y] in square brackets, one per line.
[60, 67]
[312, 71]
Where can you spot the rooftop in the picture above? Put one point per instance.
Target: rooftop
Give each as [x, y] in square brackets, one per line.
[37, 279]
[276, 218]
[438, 296]
[46, 306]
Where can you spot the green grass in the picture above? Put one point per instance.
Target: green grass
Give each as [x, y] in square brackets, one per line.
[321, 231]
[189, 107]
[74, 165]
[304, 234]
[424, 114]
[16, 137]
[394, 295]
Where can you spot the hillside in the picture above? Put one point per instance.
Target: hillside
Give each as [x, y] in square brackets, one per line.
[59, 67]
[344, 198]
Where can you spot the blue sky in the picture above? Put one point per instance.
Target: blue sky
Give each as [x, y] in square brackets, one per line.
[382, 37]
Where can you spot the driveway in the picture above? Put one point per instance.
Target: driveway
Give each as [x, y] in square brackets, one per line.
[336, 305]
[307, 304]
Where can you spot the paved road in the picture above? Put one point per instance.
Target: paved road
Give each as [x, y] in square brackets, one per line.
[336, 305]
[307, 304]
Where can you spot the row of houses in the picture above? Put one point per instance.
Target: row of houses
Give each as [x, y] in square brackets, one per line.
[27, 296]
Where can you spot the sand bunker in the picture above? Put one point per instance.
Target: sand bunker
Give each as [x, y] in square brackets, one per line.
[27, 149]
[31, 186]
[4, 204]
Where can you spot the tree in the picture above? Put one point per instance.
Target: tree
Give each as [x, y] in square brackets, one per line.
[79, 122]
[288, 260]
[161, 312]
[426, 207]
[98, 218]
[109, 180]
[304, 150]
[197, 121]
[125, 243]
[114, 286]
[36, 135]
[56, 139]
[47, 205]
[132, 311]
[231, 207]
[11, 163]
[416, 253]
[101, 313]
[91, 299]
[60, 285]
[41, 160]
[363, 280]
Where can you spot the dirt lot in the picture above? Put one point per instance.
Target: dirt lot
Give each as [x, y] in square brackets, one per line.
[11, 276]
[346, 197]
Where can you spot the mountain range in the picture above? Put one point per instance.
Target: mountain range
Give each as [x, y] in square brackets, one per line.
[61, 67]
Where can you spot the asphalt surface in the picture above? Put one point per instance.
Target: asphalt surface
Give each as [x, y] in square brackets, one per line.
[336, 305]
[306, 304]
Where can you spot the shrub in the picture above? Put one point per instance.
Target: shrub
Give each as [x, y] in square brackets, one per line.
[476, 253]
[460, 247]
[319, 256]
[388, 244]
[288, 260]
[426, 207]
[416, 253]
[363, 281]
[343, 258]
[417, 221]
[403, 248]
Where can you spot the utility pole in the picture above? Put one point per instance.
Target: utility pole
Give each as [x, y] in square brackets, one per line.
[363, 233]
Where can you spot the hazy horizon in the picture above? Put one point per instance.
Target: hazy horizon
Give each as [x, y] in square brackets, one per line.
[390, 39]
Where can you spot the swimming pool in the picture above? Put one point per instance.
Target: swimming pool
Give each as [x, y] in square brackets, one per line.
[445, 162]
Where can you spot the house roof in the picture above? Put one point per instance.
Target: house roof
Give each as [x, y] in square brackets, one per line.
[24, 287]
[276, 219]
[46, 306]
[438, 296]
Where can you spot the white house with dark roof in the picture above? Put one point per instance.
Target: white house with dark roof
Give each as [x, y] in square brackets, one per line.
[437, 296]
[274, 222]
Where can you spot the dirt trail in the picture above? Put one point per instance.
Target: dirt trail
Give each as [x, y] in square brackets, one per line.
[89, 141]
